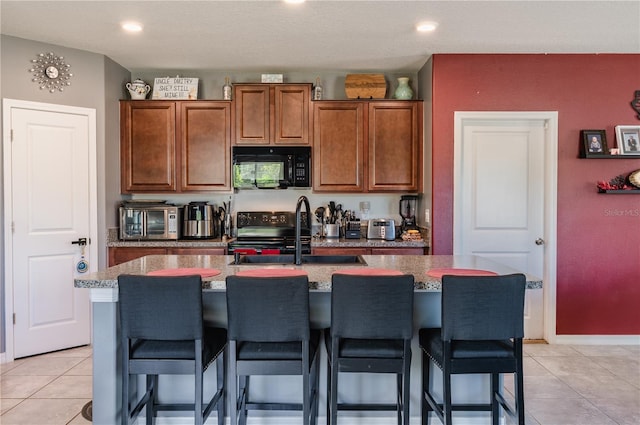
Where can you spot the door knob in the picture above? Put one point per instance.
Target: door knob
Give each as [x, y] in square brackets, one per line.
[80, 241]
[539, 241]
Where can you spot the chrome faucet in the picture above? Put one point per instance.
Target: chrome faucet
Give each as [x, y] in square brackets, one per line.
[297, 257]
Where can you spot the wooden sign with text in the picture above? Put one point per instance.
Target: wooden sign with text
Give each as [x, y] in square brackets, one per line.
[175, 88]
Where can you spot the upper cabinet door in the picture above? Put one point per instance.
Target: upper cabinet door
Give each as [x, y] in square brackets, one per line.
[272, 114]
[147, 146]
[291, 114]
[252, 126]
[205, 145]
[395, 146]
[338, 146]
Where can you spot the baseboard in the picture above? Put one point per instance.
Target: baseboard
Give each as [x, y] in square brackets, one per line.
[3, 358]
[597, 339]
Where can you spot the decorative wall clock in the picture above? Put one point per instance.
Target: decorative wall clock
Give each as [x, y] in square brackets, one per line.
[51, 72]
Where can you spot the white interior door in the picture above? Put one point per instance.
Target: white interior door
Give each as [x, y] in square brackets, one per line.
[500, 198]
[50, 202]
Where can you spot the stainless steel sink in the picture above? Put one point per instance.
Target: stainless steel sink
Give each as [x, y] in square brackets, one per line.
[306, 259]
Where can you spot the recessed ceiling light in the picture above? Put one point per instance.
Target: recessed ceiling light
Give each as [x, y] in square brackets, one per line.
[294, 1]
[427, 26]
[132, 27]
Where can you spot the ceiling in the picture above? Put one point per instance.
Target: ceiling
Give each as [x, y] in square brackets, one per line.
[321, 35]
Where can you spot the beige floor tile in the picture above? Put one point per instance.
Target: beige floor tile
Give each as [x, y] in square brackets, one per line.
[85, 367]
[79, 420]
[43, 412]
[627, 368]
[574, 411]
[544, 387]
[8, 403]
[602, 350]
[624, 412]
[594, 386]
[45, 366]
[67, 387]
[533, 368]
[528, 420]
[561, 366]
[538, 350]
[23, 386]
[5, 367]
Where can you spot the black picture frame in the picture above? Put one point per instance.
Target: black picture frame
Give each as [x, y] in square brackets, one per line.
[593, 143]
[628, 137]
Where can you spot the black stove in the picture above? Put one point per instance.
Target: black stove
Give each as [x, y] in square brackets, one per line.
[269, 232]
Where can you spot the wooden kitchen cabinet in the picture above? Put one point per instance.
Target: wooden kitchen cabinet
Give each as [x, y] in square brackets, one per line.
[148, 146]
[367, 146]
[338, 146]
[340, 251]
[180, 146]
[395, 146]
[118, 255]
[275, 114]
[197, 251]
[399, 251]
[205, 146]
[367, 251]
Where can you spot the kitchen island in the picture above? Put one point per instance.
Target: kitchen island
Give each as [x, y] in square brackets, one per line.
[106, 350]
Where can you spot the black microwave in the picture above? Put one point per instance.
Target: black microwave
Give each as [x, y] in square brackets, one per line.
[271, 167]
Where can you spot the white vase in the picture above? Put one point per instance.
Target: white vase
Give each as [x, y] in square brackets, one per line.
[403, 92]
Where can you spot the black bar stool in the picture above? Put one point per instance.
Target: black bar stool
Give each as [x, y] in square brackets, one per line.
[163, 334]
[482, 331]
[269, 334]
[371, 330]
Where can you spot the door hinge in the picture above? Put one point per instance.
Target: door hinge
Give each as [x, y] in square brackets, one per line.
[14, 318]
[11, 135]
[13, 227]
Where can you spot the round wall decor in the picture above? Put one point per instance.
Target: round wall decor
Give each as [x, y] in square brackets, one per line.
[50, 72]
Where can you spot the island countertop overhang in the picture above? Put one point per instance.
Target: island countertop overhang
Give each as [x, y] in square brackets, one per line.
[319, 275]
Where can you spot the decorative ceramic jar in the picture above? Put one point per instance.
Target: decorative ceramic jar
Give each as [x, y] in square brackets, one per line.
[403, 91]
[138, 89]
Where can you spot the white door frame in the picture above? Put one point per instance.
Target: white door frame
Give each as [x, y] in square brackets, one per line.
[7, 106]
[550, 196]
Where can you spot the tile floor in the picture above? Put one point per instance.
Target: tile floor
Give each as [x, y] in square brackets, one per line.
[46, 390]
[564, 385]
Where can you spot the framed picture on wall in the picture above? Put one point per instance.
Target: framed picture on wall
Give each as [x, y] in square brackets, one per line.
[593, 143]
[628, 137]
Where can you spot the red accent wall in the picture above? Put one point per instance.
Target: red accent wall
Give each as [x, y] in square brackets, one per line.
[598, 257]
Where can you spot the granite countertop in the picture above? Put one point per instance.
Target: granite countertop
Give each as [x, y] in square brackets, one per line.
[319, 275]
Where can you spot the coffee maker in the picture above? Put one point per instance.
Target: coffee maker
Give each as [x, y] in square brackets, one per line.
[408, 205]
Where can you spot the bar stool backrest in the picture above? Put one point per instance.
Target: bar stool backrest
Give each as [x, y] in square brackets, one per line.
[372, 307]
[160, 308]
[268, 309]
[483, 307]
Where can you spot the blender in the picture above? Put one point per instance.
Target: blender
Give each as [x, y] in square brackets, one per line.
[408, 204]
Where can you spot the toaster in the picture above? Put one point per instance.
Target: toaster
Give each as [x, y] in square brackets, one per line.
[381, 228]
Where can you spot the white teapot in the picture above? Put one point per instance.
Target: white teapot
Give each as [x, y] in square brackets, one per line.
[138, 89]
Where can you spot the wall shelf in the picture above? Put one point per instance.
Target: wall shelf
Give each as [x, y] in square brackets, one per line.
[620, 191]
[611, 157]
